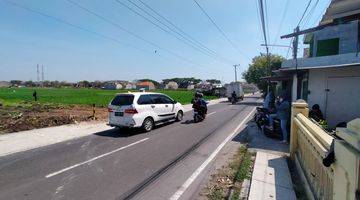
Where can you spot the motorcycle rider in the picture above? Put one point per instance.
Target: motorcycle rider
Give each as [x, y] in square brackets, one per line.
[233, 96]
[283, 113]
[199, 104]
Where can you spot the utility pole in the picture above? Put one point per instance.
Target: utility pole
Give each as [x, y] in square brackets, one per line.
[37, 73]
[295, 49]
[42, 75]
[235, 66]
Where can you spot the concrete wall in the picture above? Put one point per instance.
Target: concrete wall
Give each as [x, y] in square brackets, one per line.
[347, 34]
[319, 82]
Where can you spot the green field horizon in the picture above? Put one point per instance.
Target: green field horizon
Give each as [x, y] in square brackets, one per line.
[79, 96]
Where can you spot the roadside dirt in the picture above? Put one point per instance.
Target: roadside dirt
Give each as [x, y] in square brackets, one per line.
[27, 117]
[227, 181]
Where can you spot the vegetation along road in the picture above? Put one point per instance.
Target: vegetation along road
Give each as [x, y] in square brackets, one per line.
[81, 96]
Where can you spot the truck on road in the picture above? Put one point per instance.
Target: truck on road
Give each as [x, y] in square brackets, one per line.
[237, 87]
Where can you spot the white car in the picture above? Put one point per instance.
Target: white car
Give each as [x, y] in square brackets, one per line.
[143, 109]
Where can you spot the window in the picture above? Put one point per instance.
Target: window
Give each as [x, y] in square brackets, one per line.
[155, 98]
[122, 100]
[161, 99]
[327, 47]
[304, 89]
[166, 100]
[145, 99]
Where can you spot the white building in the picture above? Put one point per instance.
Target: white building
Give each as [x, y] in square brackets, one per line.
[190, 87]
[330, 75]
[130, 86]
[171, 86]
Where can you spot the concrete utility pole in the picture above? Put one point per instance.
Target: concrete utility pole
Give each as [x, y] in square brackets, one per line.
[235, 66]
[37, 73]
[295, 78]
[42, 75]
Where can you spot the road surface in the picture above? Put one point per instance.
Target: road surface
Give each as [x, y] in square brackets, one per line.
[127, 164]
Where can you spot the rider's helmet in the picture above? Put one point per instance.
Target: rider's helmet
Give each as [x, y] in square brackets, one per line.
[198, 95]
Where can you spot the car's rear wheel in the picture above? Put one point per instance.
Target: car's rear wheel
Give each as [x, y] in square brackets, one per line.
[148, 124]
[179, 116]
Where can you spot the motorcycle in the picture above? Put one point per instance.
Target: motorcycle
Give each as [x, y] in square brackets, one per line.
[198, 116]
[262, 121]
[199, 113]
[260, 116]
[233, 100]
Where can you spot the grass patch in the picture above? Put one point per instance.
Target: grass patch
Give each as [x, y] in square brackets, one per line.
[78, 96]
[230, 177]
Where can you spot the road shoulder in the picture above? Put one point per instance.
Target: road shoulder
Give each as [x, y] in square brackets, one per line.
[26, 140]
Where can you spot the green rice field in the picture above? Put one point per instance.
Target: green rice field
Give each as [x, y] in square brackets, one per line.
[78, 96]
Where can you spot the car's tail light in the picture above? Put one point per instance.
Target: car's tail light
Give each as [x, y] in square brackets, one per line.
[110, 110]
[131, 111]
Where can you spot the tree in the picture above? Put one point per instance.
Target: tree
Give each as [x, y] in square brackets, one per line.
[29, 84]
[213, 81]
[84, 84]
[259, 68]
[183, 82]
[15, 82]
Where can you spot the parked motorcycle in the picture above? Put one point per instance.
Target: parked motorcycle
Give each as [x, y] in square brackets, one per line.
[262, 120]
[260, 117]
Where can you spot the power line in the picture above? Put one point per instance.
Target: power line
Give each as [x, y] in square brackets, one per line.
[302, 17]
[88, 30]
[267, 19]
[263, 22]
[158, 26]
[218, 28]
[184, 39]
[264, 33]
[183, 32]
[128, 31]
[71, 24]
[311, 12]
[281, 21]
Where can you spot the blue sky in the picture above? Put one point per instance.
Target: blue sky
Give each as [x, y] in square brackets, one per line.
[71, 54]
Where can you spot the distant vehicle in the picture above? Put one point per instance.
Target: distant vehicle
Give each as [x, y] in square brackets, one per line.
[143, 110]
[231, 87]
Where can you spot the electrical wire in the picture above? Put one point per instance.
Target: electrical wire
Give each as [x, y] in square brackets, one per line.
[83, 29]
[219, 29]
[129, 32]
[302, 17]
[160, 27]
[311, 12]
[281, 21]
[183, 32]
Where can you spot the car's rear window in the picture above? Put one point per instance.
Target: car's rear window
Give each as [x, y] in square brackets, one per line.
[122, 100]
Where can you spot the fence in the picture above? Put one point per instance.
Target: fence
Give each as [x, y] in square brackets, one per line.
[310, 144]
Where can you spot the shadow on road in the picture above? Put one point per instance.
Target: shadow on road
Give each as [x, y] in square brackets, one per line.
[119, 132]
[256, 140]
[188, 122]
[249, 103]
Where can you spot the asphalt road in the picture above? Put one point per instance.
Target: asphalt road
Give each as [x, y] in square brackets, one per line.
[114, 164]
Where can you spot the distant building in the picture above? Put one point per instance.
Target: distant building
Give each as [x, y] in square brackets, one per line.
[190, 87]
[130, 86]
[112, 86]
[204, 85]
[217, 85]
[147, 85]
[171, 86]
[5, 84]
